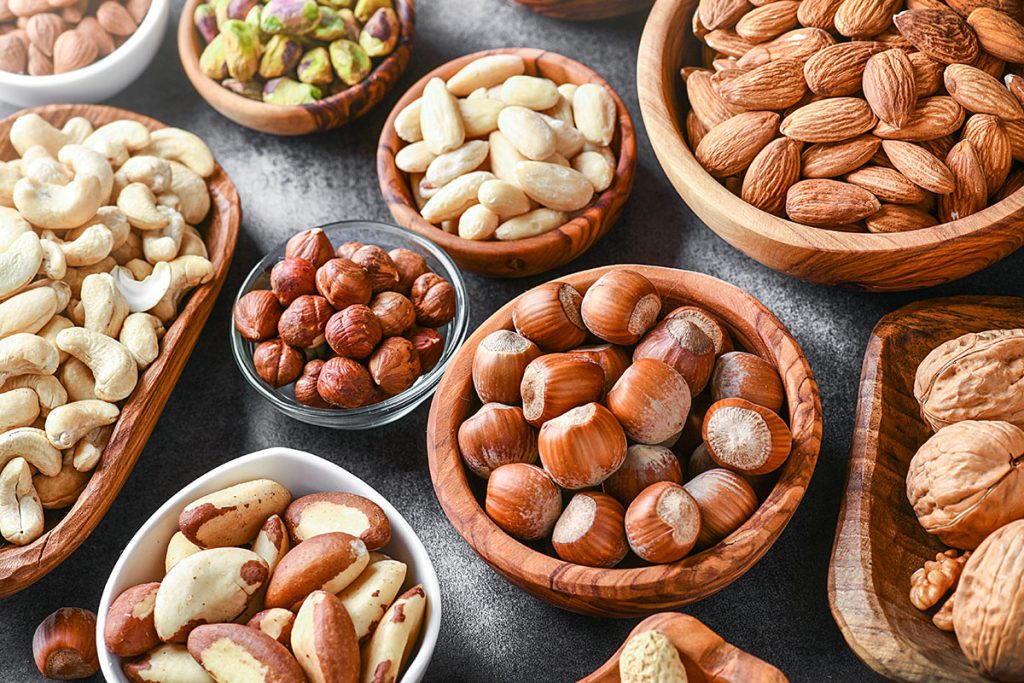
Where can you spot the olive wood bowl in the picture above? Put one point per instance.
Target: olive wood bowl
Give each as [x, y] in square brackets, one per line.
[585, 10]
[299, 119]
[706, 657]
[879, 543]
[532, 255]
[641, 590]
[21, 566]
[878, 262]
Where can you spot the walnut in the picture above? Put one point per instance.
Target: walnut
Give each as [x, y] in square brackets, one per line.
[936, 578]
[978, 376]
[965, 482]
[943, 619]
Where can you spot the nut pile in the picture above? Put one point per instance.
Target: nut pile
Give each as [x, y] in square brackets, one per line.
[496, 154]
[966, 486]
[349, 327]
[283, 589]
[607, 415]
[860, 115]
[97, 250]
[43, 37]
[651, 655]
[294, 51]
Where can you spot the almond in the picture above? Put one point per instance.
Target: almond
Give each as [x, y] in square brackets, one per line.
[926, 4]
[91, 28]
[818, 13]
[42, 31]
[1015, 133]
[831, 159]
[799, 44]
[73, 50]
[705, 101]
[770, 175]
[999, 33]
[899, 218]
[970, 192]
[927, 74]
[39, 64]
[939, 146]
[823, 202]
[838, 69]
[729, 147]
[775, 85]
[721, 13]
[138, 9]
[728, 42]
[990, 64]
[829, 120]
[965, 7]
[1015, 84]
[13, 54]
[768, 21]
[934, 117]
[865, 18]
[889, 87]
[942, 34]
[115, 20]
[989, 138]
[887, 184]
[980, 93]
[695, 130]
[920, 166]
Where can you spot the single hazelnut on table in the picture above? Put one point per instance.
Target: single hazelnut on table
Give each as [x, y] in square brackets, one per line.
[433, 297]
[311, 245]
[498, 366]
[613, 361]
[305, 386]
[344, 383]
[64, 645]
[709, 325]
[745, 375]
[394, 311]
[582, 447]
[591, 531]
[277, 362]
[304, 322]
[409, 265]
[291, 278]
[344, 283]
[746, 437]
[496, 435]
[429, 345]
[347, 249]
[256, 315]
[523, 500]
[684, 347]
[620, 307]
[644, 465]
[395, 365]
[556, 383]
[725, 500]
[549, 316]
[651, 400]
[663, 523]
[354, 332]
[382, 270]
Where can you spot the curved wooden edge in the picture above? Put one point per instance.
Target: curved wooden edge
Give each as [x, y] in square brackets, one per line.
[533, 255]
[330, 112]
[634, 591]
[876, 262]
[585, 10]
[21, 566]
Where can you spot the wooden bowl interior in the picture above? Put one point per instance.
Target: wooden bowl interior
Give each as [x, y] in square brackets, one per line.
[324, 114]
[534, 254]
[20, 566]
[879, 543]
[585, 10]
[633, 590]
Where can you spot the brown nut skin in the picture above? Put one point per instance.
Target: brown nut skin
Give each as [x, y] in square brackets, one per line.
[228, 651]
[429, 345]
[644, 465]
[582, 447]
[305, 386]
[684, 347]
[233, 515]
[325, 562]
[394, 311]
[591, 531]
[344, 383]
[304, 322]
[322, 513]
[620, 307]
[556, 383]
[496, 435]
[613, 361]
[663, 523]
[276, 622]
[549, 316]
[277, 363]
[129, 630]
[433, 297]
[709, 324]
[256, 315]
[64, 645]
[746, 375]
[344, 283]
[395, 365]
[651, 400]
[324, 640]
[409, 265]
[291, 278]
[347, 249]
[382, 270]
[354, 332]
[523, 500]
[499, 362]
[311, 245]
[725, 500]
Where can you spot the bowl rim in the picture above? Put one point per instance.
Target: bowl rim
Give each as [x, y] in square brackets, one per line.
[403, 207]
[151, 28]
[390, 406]
[743, 548]
[109, 662]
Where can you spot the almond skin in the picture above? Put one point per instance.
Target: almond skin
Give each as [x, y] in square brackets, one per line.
[887, 184]
[889, 87]
[1015, 133]
[829, 202]
[934, 117]
[837, 70]
[898, 218]
[865, 18]
[770, 175]
[978, 92]
[818, 13]
[919, 165]
[721, 13]
[730, 147]
[999, 33]
[988, 135]
[728, 42]
[768, 21]
[927, 74]
[799, 43]
[829, 120]
[72, 51]
[971, 192]
[775, 85]
[705, 101]
[831, 159]
[942, 34]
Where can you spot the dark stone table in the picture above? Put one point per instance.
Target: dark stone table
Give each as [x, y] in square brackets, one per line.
[491, 631]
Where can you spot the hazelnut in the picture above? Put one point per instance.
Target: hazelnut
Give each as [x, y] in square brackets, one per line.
[745, 375]
[277, 362]
[582, 447]
[344, 383]
[257, 314]
[433, 297]
[549, 316]
[64, 645]
[709, 324]
[497, 435]
[304, 322]
[644, 465]
[354, 332]
[310, 245]
[621, 306]
[382, 270]
[347, 249]
[429, 345]
[409, 265]
[305, 386]
[291, 278]
[700, 461]
[591, 531]
[613, 361]
[498, 366]
[663, 523]
[725, 500]
[394, 311]
[685, 348]
[344, 283]
[746, 437]
[556, 383]
[395, 365]
[523, 500]
[651, 400]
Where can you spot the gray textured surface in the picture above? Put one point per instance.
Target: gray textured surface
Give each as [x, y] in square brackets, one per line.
[491, 631]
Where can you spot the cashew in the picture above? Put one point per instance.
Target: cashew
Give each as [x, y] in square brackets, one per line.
[26, 354]
[50, 393]
[116, 222]
[163, 244]
[19, 263]
[90, 447]
[85, 161]
[112, 365]
[184, 147]
[12, 226]
[117, 139]
[77, 129]
[139, 269]
[104, 306]
[58, 207]
[191, 191]
[192, 244]
[62, 490]
[34, 153]
[54, 264]
[51, 329]
[169, 201]
[130, 250]
[153, 172]
[141, 335]
[30, 130]
[48, 170]
[59, 287]
[32, 445]
[76, 276]
[186, 272]
[10, 174]
[70, 422]
[139, 205]
[76, 312]
[147, 292]
[28, 311]
[18, 408]
[21, 512]
[85, 246]
[76, 377]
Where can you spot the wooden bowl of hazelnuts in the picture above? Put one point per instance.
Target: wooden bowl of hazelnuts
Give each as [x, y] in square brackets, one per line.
[676, 423]
[349, 325]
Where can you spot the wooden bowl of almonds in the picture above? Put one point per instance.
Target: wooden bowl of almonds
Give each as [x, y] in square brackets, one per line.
[515, 161]
[871, 149]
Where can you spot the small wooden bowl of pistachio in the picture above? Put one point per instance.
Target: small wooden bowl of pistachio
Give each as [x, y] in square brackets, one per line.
[293, 67]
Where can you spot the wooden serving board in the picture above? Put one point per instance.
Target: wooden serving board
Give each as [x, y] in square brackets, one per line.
[21, 566]
[879, 542]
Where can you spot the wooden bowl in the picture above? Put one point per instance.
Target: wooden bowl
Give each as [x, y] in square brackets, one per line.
[585, 10]
[535, 254]
[21, 566]
[300, 119]
[706, 657]
[642, 590]
[878, 262]
[879, 542]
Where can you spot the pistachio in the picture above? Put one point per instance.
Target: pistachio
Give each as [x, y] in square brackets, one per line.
[241, 49]
[212, 62]
[350, 61]
[338, 4]
[205, 20]
[331, 26]
[365, 8]
[315, 67]
[380, 34]
[239, 9]
[289, 92]
[280, 56]
[295, 17]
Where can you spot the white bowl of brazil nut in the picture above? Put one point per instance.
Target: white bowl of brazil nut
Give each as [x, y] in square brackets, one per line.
[301, 473]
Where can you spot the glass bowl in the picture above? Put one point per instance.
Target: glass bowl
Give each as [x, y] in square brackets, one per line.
[393, 408]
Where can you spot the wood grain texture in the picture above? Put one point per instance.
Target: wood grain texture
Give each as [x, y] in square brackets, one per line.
[276, 119]
[706, 657]
[879, 543]
[585, 10]
[642, 590]
[535, 254]
[66, 530]
[878, 262]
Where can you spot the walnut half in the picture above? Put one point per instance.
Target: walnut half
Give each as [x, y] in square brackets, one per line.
[937, 577]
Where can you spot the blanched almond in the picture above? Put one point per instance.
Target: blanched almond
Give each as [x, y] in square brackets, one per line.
[485, 72]
[451, 200]
[595, 113]
[407, 123]
[478, 223]
[450, 165]
[595, 167]
[528, 132]
[531, 224]
[414, 158]
[504, 156]
[440, 119]
[530, 92]
[554, 186]
[503, 198]
[480, 116]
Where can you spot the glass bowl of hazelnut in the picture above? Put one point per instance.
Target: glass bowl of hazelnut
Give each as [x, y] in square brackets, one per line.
[349, 325]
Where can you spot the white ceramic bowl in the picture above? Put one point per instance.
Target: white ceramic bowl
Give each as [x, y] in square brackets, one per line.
[101, 79]
[302, 473]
